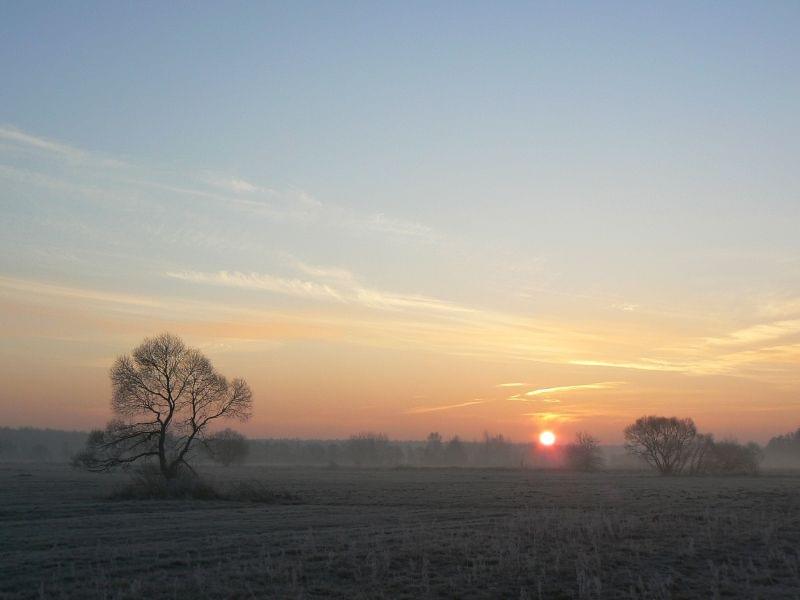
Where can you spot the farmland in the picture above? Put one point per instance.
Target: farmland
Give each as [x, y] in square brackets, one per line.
[421, 533]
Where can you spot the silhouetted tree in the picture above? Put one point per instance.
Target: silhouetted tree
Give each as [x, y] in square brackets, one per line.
[665, 443]
[434, 450]
[454, 452]
[584, 453]
[698, 454]
[496, 451]
[164, 395]
[227, 447]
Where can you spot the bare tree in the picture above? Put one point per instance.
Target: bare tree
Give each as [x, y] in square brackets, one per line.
[699, 452]
[227, 447]
[454, 452]
[665, 443]
[164, 396]
[584, 453]
[496, 451]
[433, 453]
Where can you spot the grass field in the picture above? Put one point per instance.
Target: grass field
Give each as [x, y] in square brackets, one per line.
[404, 533]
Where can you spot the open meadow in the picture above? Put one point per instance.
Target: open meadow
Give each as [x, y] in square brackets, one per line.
[421, 533]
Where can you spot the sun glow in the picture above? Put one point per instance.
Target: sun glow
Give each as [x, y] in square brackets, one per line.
[547, 438]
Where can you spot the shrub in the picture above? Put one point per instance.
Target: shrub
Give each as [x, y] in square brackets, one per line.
[147, 483]
[730, 457]
[584, 453]
[227, 447]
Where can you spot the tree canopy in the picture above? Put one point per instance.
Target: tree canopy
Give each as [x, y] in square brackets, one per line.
[165, 394]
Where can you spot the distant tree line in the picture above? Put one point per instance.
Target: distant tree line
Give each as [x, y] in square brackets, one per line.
[371, 449]
[28, 444]
[669, 445]
[784, 450]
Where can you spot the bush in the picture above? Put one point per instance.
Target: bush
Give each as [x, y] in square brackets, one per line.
[731, 458]
[147, 483]
[584, 453]
[227, 447]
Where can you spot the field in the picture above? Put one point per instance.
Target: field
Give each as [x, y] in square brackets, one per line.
[411, 533]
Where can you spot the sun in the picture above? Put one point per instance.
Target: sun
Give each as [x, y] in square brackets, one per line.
[547, 438]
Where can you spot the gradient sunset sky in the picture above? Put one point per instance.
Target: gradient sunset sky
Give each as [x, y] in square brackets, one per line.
[407, 217]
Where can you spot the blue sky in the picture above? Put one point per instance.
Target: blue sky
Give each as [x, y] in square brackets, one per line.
[621, 173]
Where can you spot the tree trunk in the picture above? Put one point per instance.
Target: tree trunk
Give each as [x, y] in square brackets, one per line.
[167, 470]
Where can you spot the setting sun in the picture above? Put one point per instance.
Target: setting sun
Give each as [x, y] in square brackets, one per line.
[547, 438]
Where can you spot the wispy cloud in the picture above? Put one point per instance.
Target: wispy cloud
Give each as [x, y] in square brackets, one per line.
[765, 332]
[19, 138]
[333, 284]
[417, 410]
[511, 385]
[640, 365]
[626, 306]
[550, 416]
[48, 289]
[604, 385]
[283, 205]
[237, 185]
[780, 306]
[263, 282]
[380, 223]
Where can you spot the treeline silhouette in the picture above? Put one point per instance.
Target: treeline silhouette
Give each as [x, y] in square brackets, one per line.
[39, 445]
[367, 449]
[377, 450]
[703, 454]
[784, 450]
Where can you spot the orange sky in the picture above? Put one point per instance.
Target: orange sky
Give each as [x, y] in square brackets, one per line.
[333, 370]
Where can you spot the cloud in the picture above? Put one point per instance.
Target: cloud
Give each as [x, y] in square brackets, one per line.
[550, 417]
[641, 365]
[605, 385]
[626, 306]
[513, 384]
[236, 185]
[765, 332]
[380, 223]
[41, 288]
[417, 410]
[340, 286]
[19, 138]
[780, 307]
[256, 281]
[287, 205]
[330, 273]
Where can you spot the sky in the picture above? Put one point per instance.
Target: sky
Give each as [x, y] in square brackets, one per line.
[407, 217]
